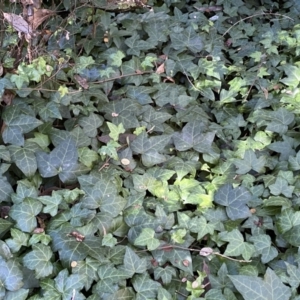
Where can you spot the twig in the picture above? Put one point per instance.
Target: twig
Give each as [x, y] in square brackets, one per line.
[197, 250]
[74, 92]
[121, 76]
[249, 17]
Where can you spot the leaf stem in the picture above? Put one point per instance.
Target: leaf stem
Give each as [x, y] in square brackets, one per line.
[256, 15]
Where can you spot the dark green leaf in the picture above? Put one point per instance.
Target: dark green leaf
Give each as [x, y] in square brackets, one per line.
[25, 214]
[39, 260]
[193, 135]
[269, 288]
[234, 200]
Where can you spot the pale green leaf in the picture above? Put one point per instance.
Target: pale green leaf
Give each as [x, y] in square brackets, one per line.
[133, 264]
[39, 260]
[234, 200]
[146, 238]
[25, 214]
[271, 288]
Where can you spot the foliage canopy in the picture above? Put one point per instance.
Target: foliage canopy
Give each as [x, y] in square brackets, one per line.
[150, 151]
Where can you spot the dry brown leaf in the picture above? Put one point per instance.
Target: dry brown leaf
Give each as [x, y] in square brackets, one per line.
[168, 78]
[39, 16]
[82, 81]
[160, 69]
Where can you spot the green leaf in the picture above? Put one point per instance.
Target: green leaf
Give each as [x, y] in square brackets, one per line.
[281, 186]
[18, 240]
[62, 161]
[17, 124]
[25, 159]
[269, 288]
[150, 147]
[83, 62]
[288, 219]
[11, 275]
[145, 287]
[51, 203]
[108, 277]
[262, 243]
[234, 200]
[96, 191]
[250, 162]
[293, 74]
[90, 124]
[193, 135]
[25, 214]
[187, 39]
[115, 131]
[122, 112]
[201, 226]
[66, 284]
[5, 190]
[87, 156]
[236, 245]
[109, 241]
[4, 226]
[136, 45]
[280, 119]
[20, 294]
[133, 264]
[165, 274]
[88, 270]
[146, 238]
[39, 260]
[117, 58]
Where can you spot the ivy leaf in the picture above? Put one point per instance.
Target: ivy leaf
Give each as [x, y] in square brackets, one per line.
[51, 203]
[145, 287]
[235, 200]
[90, 124]
[180, 259]
[5, 190]
[88, 270]
[25, 159]
[115, 131]
[20, 294]
[281, 186]
[182, 167]
[136, 45]
[17, 124]
[87, 156]
[109, 240]
[146, 238]
[70, 283]
[293, 74]
[262, 243]
[25, 214]
[11, 275]
[193, 136]
[83, 62]
[62, 161]
[133, 264]
[18, 240]
[150, 147]
[39, 260]
[109, 276]
[122, 112]
[165, 274]
[200, 226]
[250, 162]
[236, 245]
[269, 288]
[187, 39]
[280, 119]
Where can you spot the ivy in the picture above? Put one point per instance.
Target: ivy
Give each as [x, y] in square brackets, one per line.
[149, 150]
